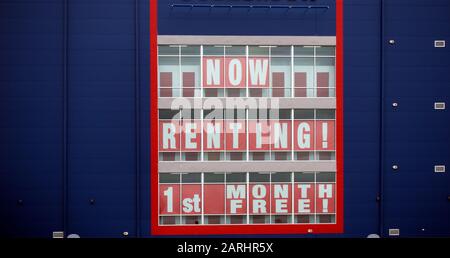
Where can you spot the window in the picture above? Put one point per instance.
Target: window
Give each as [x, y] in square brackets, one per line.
[247, 135]
[247, 198]
[281, 70]
[169, 76]
[246, 71]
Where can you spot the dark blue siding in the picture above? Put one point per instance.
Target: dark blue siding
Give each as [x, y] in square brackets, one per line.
[416, 136]
[31, 57]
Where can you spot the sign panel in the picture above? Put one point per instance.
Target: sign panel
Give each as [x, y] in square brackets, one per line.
[263, 199]
[196, 199]
[275, 135]
[231, 72]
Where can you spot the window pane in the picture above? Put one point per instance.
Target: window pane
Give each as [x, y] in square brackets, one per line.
[169, 178]
[188, 114]
[325, 51]
[304, 155]
[259, 219]
[326, 155]
[326, 177]
[281, 51]
[236, 156]
[281, 219]
[190, 76]
[261, 113]
[303, 177]
[281, 177]
[304, 114]
[214, 156]
[303, 51]
[325, 114]
[169, 76]
[191, 177]
[168, 50]
[236, 177]
[213, 50]
[325, 61]
[169, 220]
[326, 218]
[305, 219]
[325, 77]
[214, 219]
[280, 114]
[235, 50]
[259, 177]
[235, 114]
[191, 220]
[236, 219]
[304, 77]
[169, 156]
[169, 114]
[281, 77]
[259, 156]
[190, 50]
[279, 155]
[214, 177]
[258, 51]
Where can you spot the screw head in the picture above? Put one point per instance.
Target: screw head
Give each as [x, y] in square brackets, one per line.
[125, 233]
[394, 167]
[395, 104]
[391, 41]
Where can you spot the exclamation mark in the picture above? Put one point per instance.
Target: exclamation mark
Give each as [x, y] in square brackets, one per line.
[325, 205]
[325, 135]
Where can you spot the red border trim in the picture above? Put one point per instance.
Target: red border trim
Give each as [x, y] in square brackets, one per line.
[153, 116]
[155, 229]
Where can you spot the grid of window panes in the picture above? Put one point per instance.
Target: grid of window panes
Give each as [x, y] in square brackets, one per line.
[293, 116]
[304, 207]
[294, 71]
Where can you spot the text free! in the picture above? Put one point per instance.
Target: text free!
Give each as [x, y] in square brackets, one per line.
[263, 198]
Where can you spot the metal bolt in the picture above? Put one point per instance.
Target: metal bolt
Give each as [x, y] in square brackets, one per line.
[423, 230]
[394, 167]
[395, 104]
[310, 230]
[125, 233]
[391, 41]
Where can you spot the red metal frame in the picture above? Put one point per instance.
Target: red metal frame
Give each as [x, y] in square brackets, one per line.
[155, 229]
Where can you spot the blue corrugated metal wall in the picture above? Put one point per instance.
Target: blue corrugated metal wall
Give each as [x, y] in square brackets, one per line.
[74, 113]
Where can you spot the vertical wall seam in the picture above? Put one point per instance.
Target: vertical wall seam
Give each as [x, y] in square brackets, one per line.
[65, 114]
[137, 116]
[382, 133]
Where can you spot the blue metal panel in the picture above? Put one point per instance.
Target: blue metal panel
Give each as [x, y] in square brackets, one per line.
[416, 136]
[361, 117]
[101, 118]
[144, 115]
[31, 58]
[246, 21]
